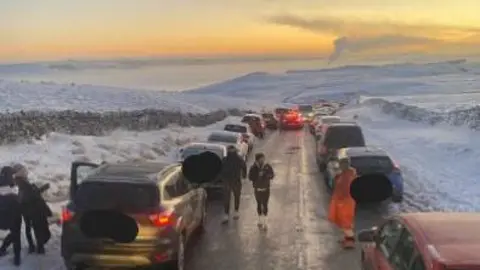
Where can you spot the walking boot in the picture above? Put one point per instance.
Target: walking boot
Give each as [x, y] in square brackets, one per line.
[225, 219]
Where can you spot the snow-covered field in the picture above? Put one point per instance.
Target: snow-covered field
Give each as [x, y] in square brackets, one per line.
[438, 157]
[49, 160]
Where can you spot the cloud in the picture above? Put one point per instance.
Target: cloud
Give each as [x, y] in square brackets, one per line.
[343, 44]
[358, 35]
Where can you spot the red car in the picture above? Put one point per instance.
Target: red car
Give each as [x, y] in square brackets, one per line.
[423, 241]
[292, 119]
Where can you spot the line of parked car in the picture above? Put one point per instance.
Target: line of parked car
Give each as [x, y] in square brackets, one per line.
[379, 176]
[166, 208]
[407, 241]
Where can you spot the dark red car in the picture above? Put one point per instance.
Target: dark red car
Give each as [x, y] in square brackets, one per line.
[292, 120]
[423, 241]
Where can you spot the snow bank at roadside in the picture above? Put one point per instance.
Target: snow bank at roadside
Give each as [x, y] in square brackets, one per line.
[469, 117]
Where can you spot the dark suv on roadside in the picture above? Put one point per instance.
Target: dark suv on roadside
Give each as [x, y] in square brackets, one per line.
[337, 136]
[165, 207]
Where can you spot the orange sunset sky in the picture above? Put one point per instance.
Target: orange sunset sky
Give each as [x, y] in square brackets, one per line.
[33, 30]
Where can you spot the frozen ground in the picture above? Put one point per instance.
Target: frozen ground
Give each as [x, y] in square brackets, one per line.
[49, 160]
[439, 161]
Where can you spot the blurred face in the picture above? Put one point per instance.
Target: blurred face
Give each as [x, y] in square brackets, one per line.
[261, 160]
[344, 164]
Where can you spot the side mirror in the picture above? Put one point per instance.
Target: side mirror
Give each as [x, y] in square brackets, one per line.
[367, 236]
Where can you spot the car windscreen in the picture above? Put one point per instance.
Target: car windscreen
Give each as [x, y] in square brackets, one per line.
[305, 108]
[281, 110]
[378, 162]
[268, 116]
[126, 197]
[341, 137]
[248, 119]
[236, 128]
[190, 151]
[222, 138]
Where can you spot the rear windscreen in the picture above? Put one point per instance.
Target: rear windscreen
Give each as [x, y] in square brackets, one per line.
[267, 116]
[235, 128]
[305, 108]
[341, 137]
[378, 162]
[222, 138]
[125, 197]
[281, 110]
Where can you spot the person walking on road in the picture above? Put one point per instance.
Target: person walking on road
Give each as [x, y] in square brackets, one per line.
[234, 170]
[261, 173]
[342, 205]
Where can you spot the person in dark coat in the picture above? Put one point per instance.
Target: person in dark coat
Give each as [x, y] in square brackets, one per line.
[35, 210]
[233, 170]
[261, 173]
[10, 214]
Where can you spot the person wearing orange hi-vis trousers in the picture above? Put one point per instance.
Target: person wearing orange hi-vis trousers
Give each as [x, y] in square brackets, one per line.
[342, 205]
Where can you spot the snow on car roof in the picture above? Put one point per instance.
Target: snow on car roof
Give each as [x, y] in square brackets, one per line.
[205, 145]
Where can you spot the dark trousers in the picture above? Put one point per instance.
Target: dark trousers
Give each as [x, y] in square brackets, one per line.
[14, 237]
[41, 228]
[262, 197]
[236, 189]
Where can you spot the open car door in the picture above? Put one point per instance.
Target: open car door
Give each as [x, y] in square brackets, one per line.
[76, 175]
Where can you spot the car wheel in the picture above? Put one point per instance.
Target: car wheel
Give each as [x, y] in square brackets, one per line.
[179, 262]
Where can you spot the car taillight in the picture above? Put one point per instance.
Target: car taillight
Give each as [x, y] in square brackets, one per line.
[396, 168]
[67, 215]
[163, 219]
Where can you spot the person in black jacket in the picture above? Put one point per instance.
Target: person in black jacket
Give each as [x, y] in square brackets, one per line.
[233, 170]
[261, 173]
[35, 210]
[10, 214]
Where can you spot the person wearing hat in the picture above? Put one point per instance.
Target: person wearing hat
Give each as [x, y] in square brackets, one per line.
[35, 210]
[10, 214]
[342, 205]
[261, 173]
[233, 170]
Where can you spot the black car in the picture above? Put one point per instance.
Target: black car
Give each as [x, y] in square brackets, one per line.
[378, 176]
[336, 136]
[156, 197]
[271, 121]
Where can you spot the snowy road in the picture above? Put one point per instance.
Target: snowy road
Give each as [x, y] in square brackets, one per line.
[298, 236]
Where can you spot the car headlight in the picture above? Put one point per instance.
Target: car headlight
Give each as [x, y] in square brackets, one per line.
[310, 114]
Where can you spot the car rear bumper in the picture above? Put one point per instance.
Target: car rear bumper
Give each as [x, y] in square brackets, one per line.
[292, 125]
[95, 253]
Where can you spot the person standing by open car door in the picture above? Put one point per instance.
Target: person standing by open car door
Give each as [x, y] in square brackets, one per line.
[342, 205]
[35, 210]
[233, 171]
